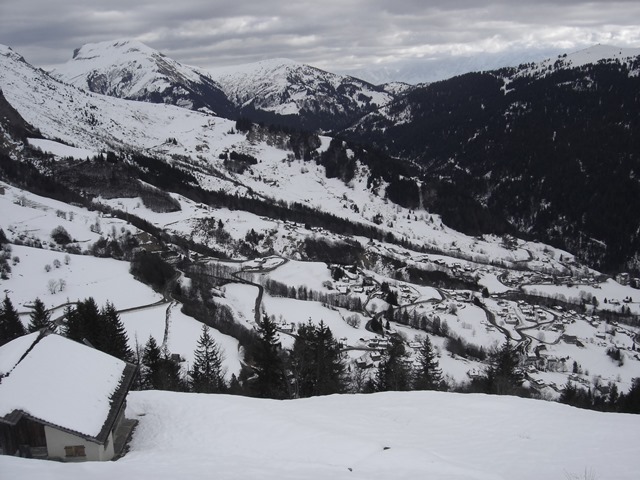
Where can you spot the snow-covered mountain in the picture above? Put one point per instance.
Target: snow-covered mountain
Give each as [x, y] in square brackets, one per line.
[278, 91]
[101, 122]
[286, 88]
[201, 143]
[129, 69]
[531, 143]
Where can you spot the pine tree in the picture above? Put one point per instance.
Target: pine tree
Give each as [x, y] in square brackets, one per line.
[393, 374]
[428, 375]
[268, 363]
[330, 376]
[207, 374]
[116, 342]
[10, 325]
[149, 364]
[84, 322]
[502, 377]
[316, 362]
[40, 317]
[158, 371]
[169, 376]
[568, 393]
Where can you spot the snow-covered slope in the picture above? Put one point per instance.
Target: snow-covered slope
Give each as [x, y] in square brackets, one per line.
[100, 122]
[391, 435]
[284, 87]
[129, 69]
[594, 54]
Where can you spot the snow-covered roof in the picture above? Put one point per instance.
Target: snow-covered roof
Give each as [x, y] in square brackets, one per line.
[12, 352]
[63, 383]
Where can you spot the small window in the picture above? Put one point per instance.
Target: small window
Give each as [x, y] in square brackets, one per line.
[74, 451]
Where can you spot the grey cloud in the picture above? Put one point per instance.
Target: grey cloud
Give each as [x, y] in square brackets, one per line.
[333, 34]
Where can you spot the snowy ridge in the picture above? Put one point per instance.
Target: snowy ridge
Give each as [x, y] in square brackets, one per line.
[591, 55]
[433, 69]
[123, 69]
[286, 87]
[399, 111]
[130, 69]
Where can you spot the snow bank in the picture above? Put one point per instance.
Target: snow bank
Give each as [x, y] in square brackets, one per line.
[391, 435]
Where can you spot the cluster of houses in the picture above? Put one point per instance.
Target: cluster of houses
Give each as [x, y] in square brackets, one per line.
[376, 348]
[625, 278]
[351, 282]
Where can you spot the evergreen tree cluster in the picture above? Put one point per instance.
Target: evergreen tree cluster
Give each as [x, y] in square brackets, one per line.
[502, 376]
[396, 373]
[279, 289]
[151, 269]
[158, 370]
[607, 399]
[316, 362]
[100, 327]
[10, 325]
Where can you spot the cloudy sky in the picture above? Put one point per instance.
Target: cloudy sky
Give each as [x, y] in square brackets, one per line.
[337, 35]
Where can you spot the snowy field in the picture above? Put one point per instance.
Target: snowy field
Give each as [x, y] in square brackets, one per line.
[390, 435]
[309, 274]
[61, 150]
[299, 312]
[104, 279]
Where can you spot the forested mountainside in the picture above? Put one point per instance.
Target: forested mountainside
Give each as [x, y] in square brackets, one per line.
[552, 148]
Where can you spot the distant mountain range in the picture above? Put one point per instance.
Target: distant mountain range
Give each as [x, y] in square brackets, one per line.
[278, 91]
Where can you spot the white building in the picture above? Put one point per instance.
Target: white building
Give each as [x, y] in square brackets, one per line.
[60, 399]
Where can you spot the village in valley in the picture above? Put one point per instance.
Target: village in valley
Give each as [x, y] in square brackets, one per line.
[566, 322]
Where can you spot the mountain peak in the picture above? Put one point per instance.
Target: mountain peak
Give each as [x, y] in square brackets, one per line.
[122, 46]
[10, 53]
[254, 68]
[130, 69]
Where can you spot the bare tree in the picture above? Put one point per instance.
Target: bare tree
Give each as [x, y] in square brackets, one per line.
[52, 286]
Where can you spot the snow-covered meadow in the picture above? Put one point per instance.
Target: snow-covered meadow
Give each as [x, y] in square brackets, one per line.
[379, 436]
